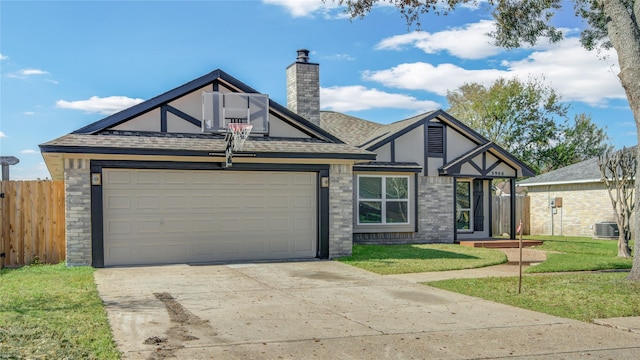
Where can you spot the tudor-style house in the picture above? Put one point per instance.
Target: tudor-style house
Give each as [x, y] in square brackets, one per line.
[151, 184]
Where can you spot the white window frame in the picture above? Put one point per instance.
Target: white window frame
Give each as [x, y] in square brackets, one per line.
[383, 199]
[469, 209]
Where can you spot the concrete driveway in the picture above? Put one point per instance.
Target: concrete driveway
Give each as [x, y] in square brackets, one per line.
[328, 310]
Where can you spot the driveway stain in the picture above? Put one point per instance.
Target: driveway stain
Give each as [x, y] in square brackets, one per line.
[185, 323]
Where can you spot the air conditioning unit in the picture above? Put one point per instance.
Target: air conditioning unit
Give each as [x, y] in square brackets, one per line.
[607, 230]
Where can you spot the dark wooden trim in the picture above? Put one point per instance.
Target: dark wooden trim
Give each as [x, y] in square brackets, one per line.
[490, 197]
[357, 168]
[455, 210]
[202, 153]
[393, 150]
[416, 188]
[183, 115]
[425, 149]
[97, 234]
[97, 215]
[163, 118]
[323, 216]
[512, 230]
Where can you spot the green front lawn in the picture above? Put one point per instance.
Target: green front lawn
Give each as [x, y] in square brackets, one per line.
[582, 297]
[402, 259]
[53, 312]
[578, 254]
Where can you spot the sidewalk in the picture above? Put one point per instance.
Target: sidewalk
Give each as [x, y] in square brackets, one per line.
[530, 257]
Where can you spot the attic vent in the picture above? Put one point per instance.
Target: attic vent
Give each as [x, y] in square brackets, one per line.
[435, 142]
[607, 230]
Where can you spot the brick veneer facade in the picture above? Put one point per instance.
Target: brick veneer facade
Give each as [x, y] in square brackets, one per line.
[77, 187]
[583, 205]
[435, 216]
[435, 209]
[340, 210]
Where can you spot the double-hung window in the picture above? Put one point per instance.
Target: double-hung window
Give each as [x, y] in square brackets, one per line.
[383, 199]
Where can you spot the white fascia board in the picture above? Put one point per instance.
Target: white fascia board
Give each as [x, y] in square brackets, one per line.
[585, 181]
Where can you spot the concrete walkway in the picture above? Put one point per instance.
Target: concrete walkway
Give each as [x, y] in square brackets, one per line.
[329, 310]
[530, 257]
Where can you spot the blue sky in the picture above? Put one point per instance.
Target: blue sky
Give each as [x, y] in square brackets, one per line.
[65, 64]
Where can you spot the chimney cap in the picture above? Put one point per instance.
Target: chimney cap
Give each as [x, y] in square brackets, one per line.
[303, 56]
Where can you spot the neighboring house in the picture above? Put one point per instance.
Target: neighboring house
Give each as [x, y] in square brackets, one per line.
[147, 186]
[569, 201]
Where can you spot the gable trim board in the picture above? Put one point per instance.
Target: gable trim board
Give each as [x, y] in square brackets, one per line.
[454, 167]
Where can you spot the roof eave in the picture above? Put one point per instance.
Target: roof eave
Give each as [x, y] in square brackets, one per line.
[549, 183]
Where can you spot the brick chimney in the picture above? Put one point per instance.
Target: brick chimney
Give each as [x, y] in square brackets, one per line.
[303, 87]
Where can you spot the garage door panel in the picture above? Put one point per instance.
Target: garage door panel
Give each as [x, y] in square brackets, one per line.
[118, 201]
[173, 216]
[148, 202]
[147, 178]
[115, 177]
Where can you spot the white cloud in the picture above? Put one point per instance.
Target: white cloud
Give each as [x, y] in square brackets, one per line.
[2, 135]
[29, 113]
[436, 79]
[300, 8]
[106, 106]
[28, 151]
[468, 42]
[577, 74]
[29, 72]
[24, 73]
[3, 57]
[357, 98]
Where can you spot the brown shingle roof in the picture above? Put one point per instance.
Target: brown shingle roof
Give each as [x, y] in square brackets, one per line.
[358, 132]
[188, 144]
[350, 129]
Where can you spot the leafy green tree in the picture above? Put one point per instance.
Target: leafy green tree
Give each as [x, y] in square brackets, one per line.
[581, 140]
[611, 23]
[529, 120]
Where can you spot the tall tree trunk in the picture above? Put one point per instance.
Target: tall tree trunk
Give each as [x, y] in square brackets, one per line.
[624, 33]
[623, 244]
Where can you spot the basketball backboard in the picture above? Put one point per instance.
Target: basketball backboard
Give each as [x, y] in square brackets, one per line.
[219, 109]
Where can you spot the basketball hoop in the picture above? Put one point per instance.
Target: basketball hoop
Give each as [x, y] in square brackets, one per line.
[237, 133]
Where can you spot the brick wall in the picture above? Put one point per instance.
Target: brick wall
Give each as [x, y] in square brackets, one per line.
[303, 90]
[435, 216]
[435, 209]
[340, 210]
[78, 211]
[583, 205]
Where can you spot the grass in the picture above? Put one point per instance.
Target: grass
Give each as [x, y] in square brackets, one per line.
[402, 259]
[53, 312]
[582, 297]
[579, 254]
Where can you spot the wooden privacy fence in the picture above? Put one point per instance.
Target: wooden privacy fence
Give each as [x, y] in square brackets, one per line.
[32, 222]
[501, 206]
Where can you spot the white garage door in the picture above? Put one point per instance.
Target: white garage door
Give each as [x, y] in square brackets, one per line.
[176, 216]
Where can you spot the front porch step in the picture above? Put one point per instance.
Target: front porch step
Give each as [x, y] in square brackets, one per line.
[498, 244]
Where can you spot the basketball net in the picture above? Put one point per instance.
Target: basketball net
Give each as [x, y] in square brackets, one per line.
[237, 134]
